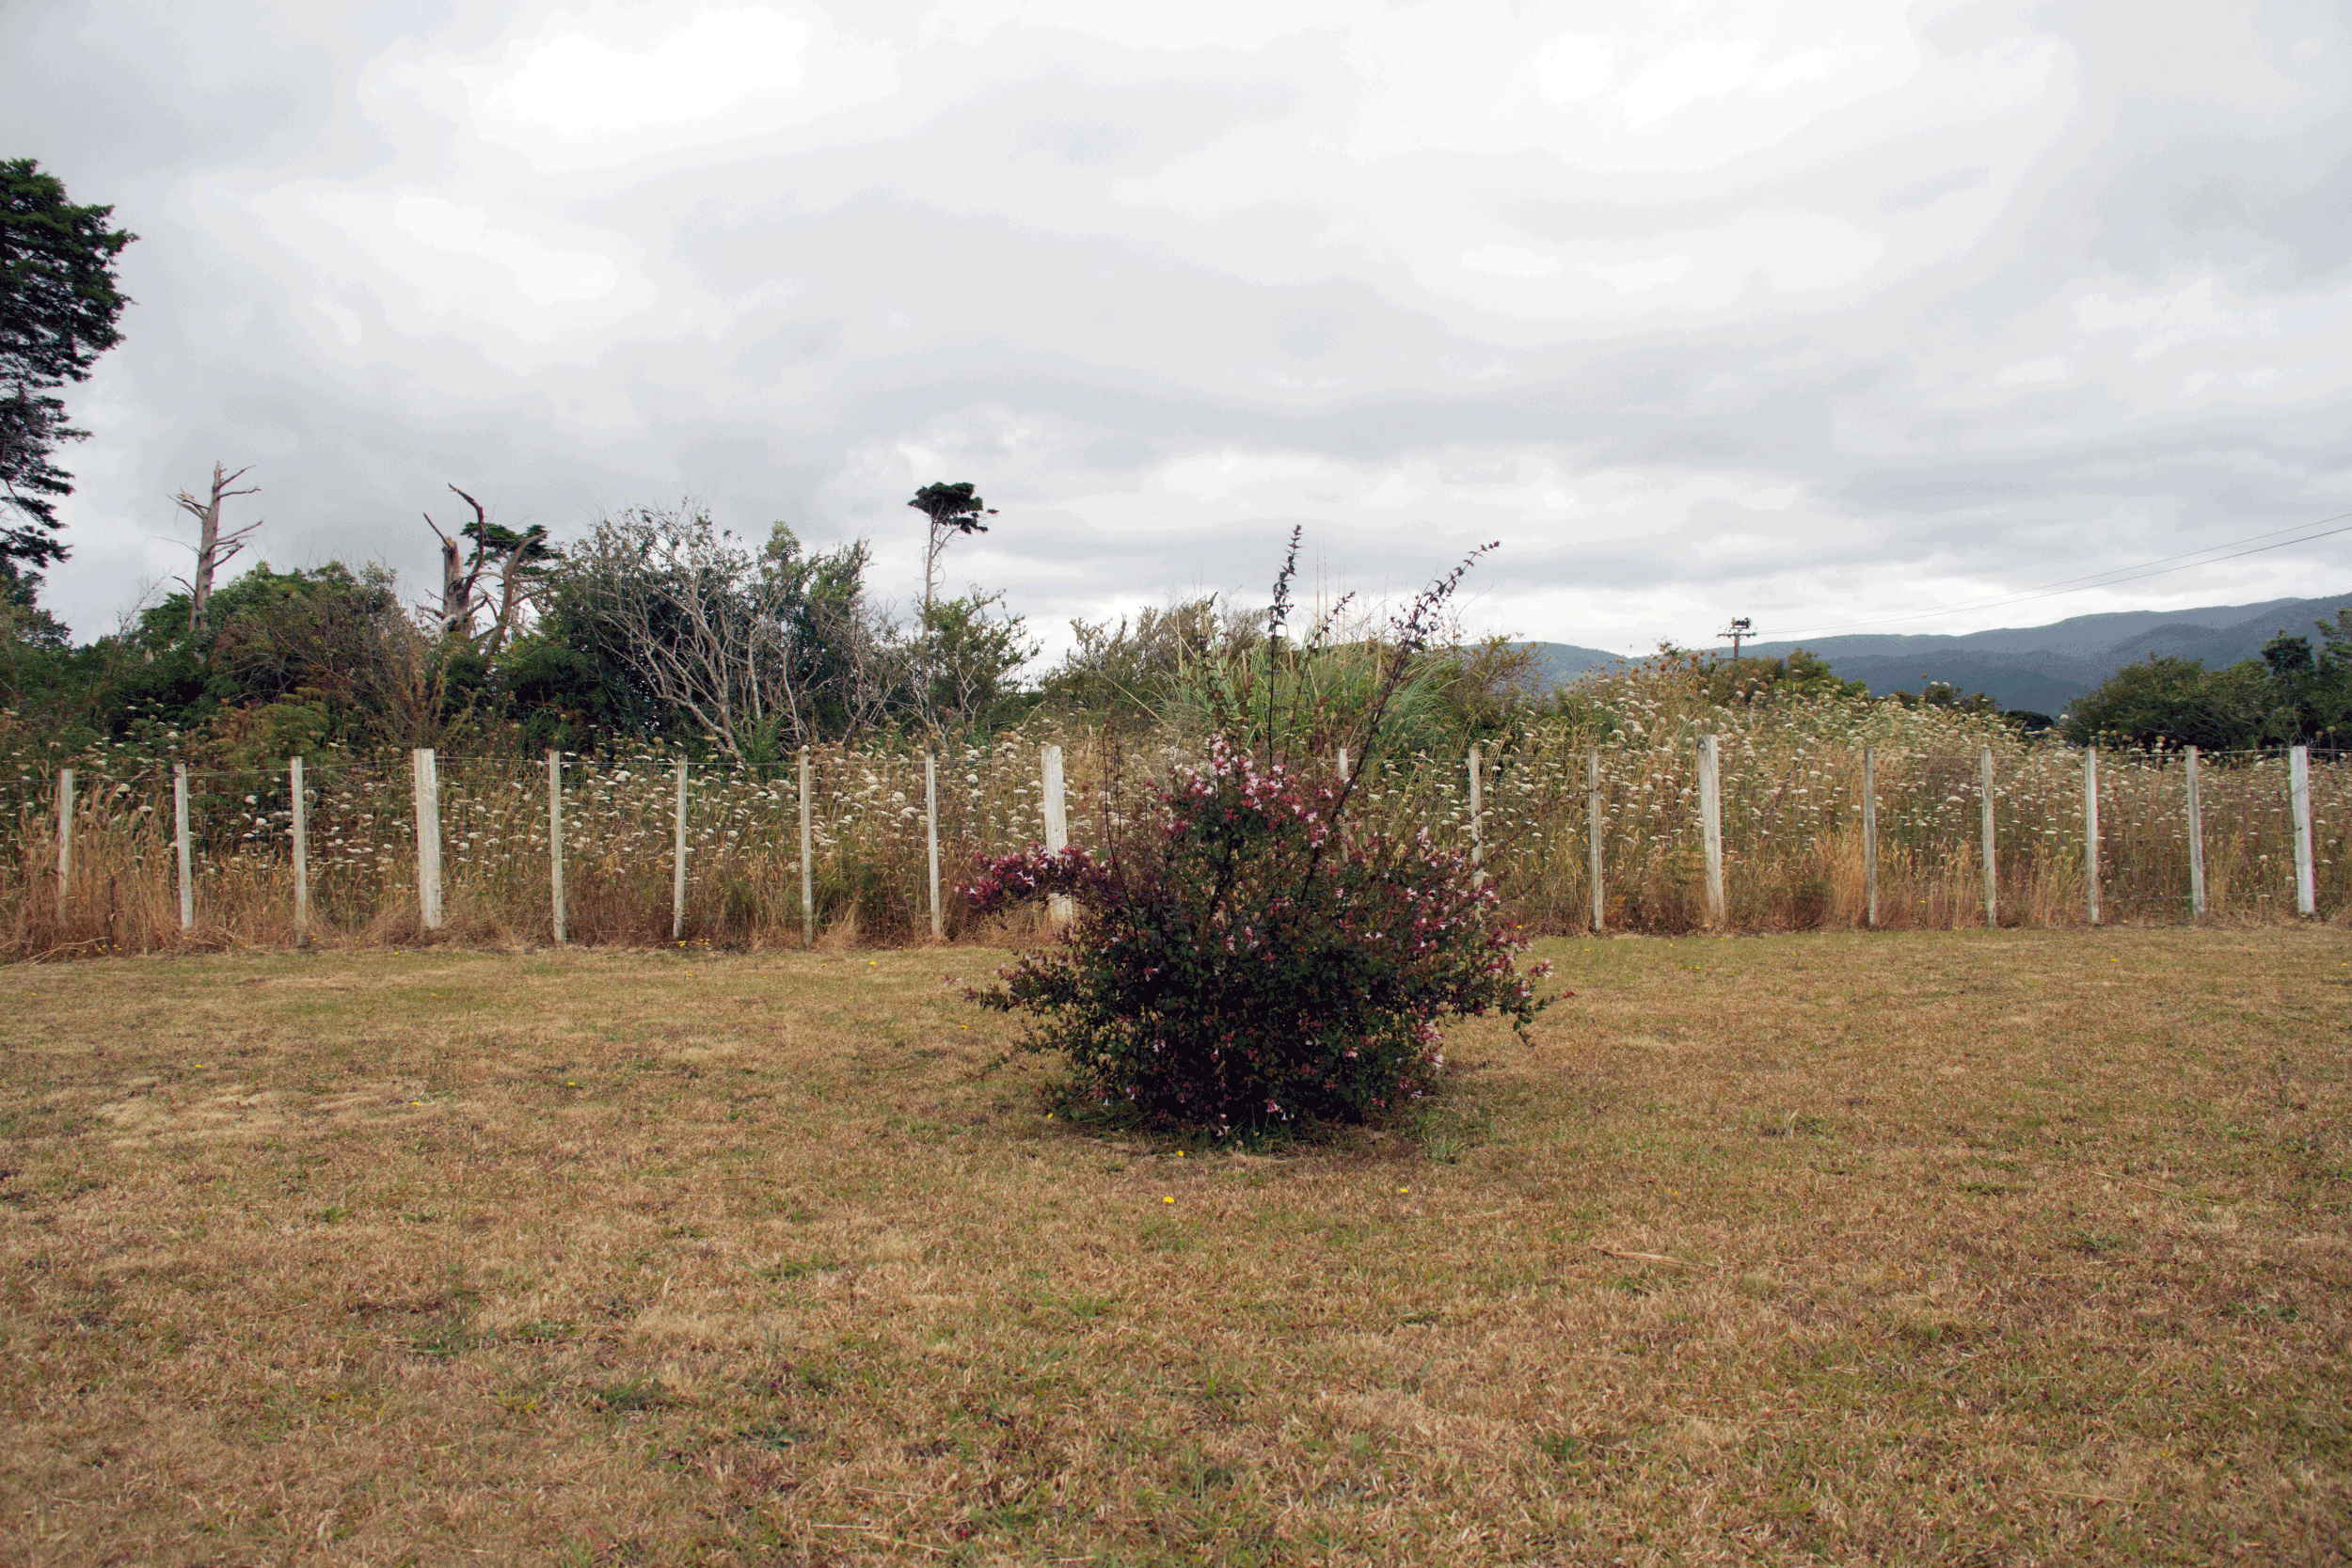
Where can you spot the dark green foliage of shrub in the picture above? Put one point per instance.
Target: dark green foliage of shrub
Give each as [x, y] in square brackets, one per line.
[1250, 959]
[1260, 964]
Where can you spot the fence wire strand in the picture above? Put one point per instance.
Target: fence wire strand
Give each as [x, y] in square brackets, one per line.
[1791, 807]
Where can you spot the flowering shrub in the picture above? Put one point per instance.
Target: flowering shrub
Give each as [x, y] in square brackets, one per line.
[1251, 961]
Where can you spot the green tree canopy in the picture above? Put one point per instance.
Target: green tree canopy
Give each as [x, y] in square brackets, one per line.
[953, 509]
[661, 612]
[59, 307]
[1802, 674]
[2294, 694]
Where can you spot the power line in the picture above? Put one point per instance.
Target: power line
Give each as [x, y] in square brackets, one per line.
[2099, 580]
[2161, 566]
[2087, 578]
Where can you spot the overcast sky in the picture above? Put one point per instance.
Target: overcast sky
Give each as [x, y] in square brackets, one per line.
[1817, 313]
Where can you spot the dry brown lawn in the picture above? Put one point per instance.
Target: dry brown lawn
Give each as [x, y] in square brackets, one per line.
[1982, 1248]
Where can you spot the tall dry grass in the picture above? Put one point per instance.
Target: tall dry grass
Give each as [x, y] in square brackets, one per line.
[1792, 808]
[742, 855]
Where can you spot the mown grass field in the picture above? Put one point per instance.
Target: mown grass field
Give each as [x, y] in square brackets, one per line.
[1997, 1247]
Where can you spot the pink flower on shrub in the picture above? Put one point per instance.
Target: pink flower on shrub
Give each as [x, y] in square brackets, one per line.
[1360, 944]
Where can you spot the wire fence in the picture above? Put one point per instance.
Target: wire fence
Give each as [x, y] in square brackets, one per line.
[105, 874]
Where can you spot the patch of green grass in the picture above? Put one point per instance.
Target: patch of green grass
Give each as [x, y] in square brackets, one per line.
[2268, 1311]
[1076, 1305]
[1166, 1236]
[631, 1396]
[774, 1435]
[444, 1337]
[544, 1331]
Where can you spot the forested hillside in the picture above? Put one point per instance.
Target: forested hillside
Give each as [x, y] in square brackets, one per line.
[2048, 668]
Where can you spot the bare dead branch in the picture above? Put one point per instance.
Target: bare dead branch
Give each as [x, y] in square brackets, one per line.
[461, 577]
[212, 548]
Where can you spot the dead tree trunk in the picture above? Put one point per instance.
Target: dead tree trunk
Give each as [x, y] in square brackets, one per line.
[460, 577]
[213, 548]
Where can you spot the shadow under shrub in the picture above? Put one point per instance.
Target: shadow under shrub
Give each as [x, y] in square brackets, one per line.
[1251, 961]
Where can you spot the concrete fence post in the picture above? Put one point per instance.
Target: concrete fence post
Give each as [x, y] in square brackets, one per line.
[2196, 842]
[2090, 832]
[678, 861]
[555, 843]
[428, 792]
[1870, 837]
[1992, 872]
[180, 842]
[301, 852]
[1477, 820]
[2300, 807]
[931, 835]
[65, 838]
[1711, 824]
[1057, 810]
[1595, 823]
[808, 865]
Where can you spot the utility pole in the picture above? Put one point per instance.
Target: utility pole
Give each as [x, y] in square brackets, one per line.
[1741, 628]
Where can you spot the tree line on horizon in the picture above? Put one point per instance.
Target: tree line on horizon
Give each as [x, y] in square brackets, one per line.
[660, 627]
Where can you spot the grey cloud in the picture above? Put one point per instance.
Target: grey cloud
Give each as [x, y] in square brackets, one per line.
[971, 284]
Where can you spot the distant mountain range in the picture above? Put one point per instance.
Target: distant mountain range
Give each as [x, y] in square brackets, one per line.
[1558, 663]
[2038, 669]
